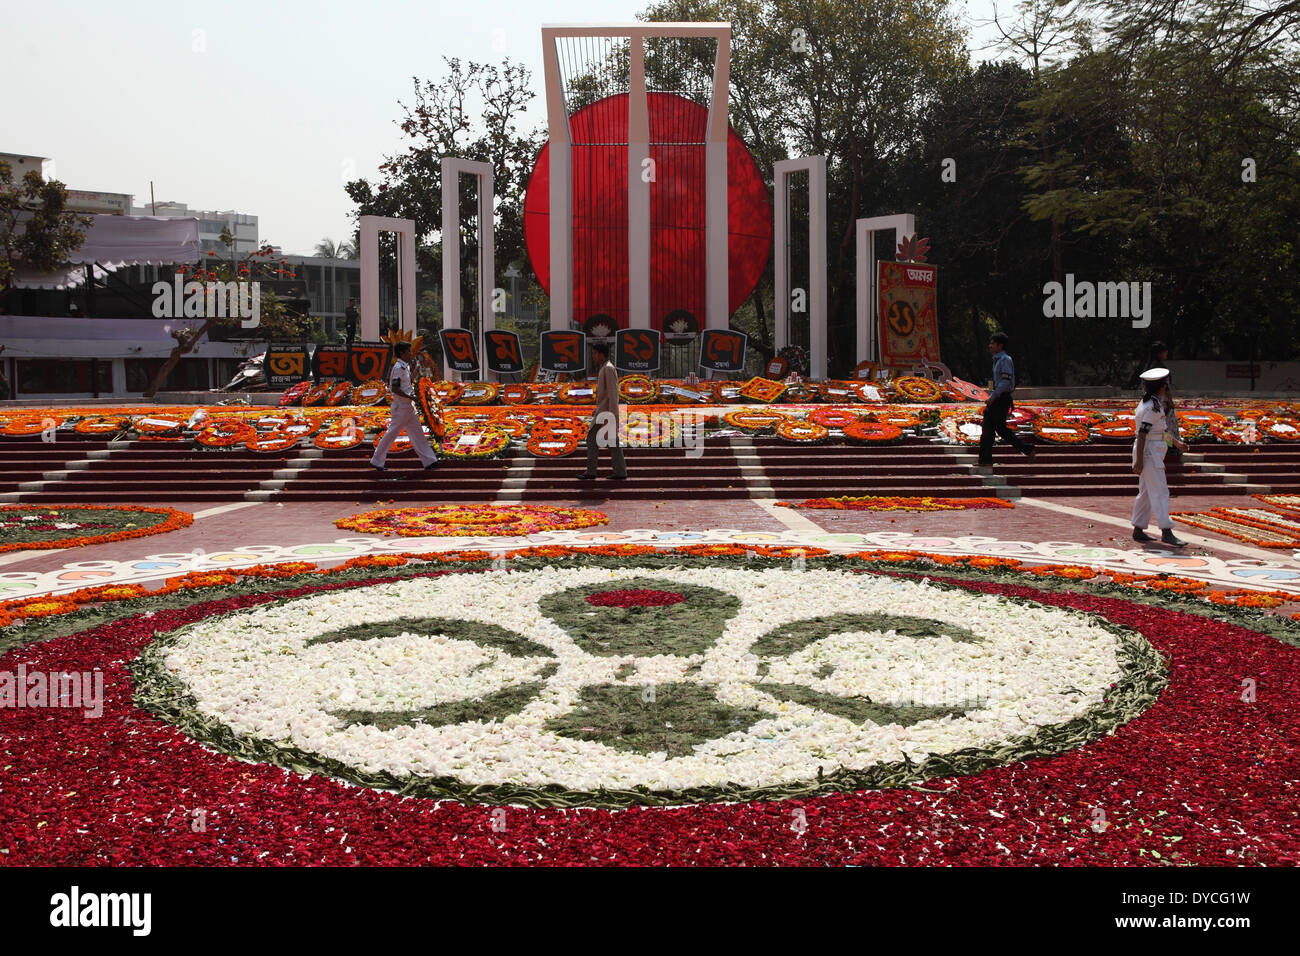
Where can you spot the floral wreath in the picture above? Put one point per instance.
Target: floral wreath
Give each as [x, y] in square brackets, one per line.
[544, 444]
[833, 417]
[963, 391]
[760, 389]
[962, 429]
[1061, 431]
[373, 392]
[339, 393]
[1240, 431]
[271, 443]
[801, 432]
[900, 418]
[796, 358]
[914, 388]
[649, 431]
[637, 389]
[1121, 427]
[517, 393]
[479, 393]
[101, 425]
[294, 393]
[487, 442]
[872, 433]
[753, 421]
[225, 433]
[25, 426]
[577, 393]
[317, 394]
[1281, 429]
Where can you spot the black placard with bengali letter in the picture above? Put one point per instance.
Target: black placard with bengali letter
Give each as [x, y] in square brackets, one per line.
[637, 351]
[459, 351]
[564, 351]
[502, 352]
[285, 365]
[723, 350]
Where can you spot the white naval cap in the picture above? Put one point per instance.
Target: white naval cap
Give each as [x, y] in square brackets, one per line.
[1155, 374]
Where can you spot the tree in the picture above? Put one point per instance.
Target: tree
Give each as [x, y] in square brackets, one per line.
[36, 227]
[274, 320]
[472, 113]
[329, 249]
[1174, 144]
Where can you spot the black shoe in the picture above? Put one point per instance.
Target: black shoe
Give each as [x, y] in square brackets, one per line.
[379, 471]
[618, 477]
[432, 464]
[586, 476]
[1031, 450]
[1167, 536]
[1140, 535]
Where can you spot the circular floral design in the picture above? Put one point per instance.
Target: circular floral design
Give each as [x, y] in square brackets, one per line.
[339, 393]
[578, 393]
[637, 389]
[914, 388]
[756, 681]
[373, 392]
[472, 520]
[317, 394]
[294, 393]
[833, 417]
[755, 422]
[101, 425]
[1159, 778]
[801, 432]
[872, 433]
[29, 527]
[474, 443]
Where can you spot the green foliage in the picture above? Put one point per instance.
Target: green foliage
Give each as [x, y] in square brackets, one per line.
[36, 227]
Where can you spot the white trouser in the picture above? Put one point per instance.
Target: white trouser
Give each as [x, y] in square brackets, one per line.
[404, 419]
[1153, 488]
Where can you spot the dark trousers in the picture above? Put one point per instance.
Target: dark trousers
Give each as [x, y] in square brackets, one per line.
[995, 422]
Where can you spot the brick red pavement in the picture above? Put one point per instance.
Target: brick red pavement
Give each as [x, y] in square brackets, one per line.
[312, 522]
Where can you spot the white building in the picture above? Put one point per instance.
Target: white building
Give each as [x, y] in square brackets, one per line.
[211, 223]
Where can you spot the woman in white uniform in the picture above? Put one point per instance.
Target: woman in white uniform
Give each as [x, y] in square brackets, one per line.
[1149, 447]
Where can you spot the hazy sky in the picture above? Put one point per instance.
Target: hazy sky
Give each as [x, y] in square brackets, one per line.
[266, 108]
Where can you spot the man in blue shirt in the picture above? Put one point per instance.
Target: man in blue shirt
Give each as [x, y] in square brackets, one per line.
[998, 404]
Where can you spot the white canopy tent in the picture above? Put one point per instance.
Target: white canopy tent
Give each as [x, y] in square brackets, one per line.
[116, 241]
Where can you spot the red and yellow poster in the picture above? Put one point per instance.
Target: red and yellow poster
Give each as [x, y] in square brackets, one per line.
[909, 323]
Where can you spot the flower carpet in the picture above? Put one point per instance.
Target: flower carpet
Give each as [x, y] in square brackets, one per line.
[896, 503]
[472, 520]
[24, 527]
[625, 704]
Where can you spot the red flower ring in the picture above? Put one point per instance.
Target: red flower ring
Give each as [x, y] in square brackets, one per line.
[1201, 777]
[635, 597]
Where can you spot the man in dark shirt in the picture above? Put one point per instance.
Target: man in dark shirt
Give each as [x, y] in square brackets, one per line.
[998, 405]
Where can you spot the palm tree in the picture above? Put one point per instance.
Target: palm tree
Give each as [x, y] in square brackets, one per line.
[330, 249]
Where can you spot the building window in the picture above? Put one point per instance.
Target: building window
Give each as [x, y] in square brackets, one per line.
[54, 376]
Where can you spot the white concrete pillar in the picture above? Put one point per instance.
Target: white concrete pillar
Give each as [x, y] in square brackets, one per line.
[903, 224]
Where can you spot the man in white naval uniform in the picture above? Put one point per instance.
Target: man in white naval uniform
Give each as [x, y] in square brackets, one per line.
[1149, 445]
[405, 417]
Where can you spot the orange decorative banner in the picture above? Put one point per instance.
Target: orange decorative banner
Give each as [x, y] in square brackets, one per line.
[909, 325]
